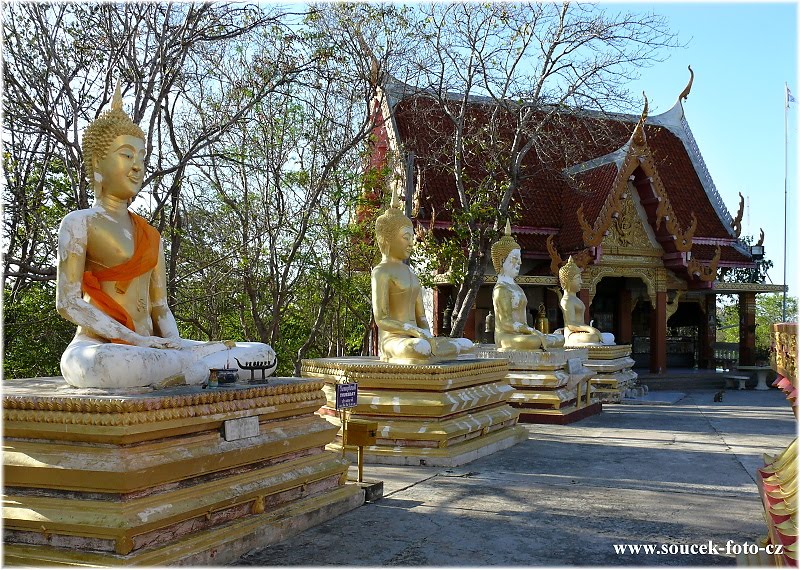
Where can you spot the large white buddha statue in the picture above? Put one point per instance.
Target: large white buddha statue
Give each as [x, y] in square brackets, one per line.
[511, 330]
[112, 281]
[404, 335]
[576, 331]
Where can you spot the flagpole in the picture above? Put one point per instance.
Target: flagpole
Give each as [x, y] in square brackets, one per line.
[785, 186]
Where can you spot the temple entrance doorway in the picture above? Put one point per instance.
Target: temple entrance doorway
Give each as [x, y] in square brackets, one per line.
[684, 328]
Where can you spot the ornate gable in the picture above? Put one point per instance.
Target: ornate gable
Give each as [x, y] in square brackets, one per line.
[628, 233]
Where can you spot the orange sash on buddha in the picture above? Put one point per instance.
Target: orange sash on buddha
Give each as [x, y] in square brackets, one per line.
[145, 256]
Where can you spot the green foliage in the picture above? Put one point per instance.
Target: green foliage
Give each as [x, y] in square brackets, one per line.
[758, 274]
[34, 334]
[769, 310]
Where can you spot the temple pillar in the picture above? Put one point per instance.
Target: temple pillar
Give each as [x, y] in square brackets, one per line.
[658, 334]
[583, 295]
[747, 329]
[552, 300]
[708, 333]
[439, 302]
[624, 332]
[441, 299]
[469, 328]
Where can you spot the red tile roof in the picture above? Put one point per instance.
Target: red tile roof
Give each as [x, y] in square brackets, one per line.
[546, 197]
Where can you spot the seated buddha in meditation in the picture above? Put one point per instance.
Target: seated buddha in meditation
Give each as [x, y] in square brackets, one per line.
[112, 282]
[511, 330]
[404, 335]
[576, 331]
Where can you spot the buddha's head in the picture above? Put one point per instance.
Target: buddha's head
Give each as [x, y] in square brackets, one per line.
[109, 143]
[570, 276]
[394, 233]
[502, 249]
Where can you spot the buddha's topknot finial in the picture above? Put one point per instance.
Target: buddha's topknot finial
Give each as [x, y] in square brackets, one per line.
[103, 130]
[568, 272]
[390, 222]
[116, 101]
[502, 247]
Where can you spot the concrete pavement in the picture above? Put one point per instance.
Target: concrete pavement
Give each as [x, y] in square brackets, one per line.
[680, 474]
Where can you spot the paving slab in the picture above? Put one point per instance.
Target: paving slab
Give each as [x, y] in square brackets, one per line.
[662, 398]
[681, 474]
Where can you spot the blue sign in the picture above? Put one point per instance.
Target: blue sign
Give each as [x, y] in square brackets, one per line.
[346, 395]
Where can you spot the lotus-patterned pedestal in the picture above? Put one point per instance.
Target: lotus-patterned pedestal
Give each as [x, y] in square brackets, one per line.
[445, 414]
[550, 386]
[175, 476]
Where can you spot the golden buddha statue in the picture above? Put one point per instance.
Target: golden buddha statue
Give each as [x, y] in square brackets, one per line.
[112, 282]
[576, 331]
[511, 330]
[404, 335]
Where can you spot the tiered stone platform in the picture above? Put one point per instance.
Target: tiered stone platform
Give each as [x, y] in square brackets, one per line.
[444, 414]
[544, 389]
[612, 371]
[175, 476]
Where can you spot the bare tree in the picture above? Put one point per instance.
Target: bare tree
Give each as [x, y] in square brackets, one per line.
[61, 62]
[495, 79]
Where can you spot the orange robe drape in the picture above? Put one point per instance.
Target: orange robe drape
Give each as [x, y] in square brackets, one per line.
[146, 241]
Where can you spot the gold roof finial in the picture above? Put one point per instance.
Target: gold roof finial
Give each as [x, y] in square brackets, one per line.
[686, 90]
[638, 132]
[644, 111]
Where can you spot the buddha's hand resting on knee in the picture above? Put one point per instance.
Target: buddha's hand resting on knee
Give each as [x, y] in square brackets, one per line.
[159, 342]
[416, 331]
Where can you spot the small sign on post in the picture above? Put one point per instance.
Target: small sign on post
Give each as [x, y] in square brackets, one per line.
[346, 395]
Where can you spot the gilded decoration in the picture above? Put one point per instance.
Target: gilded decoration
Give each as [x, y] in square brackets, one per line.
[736, 224]
[582, 259]
[543, 280]
[638, 155]
[118, 411]
[627, 234]
[672, 306]
[723, 287]
[703, 272]
[373, 368]
[688, 89]
[651, 276]
[784, 337]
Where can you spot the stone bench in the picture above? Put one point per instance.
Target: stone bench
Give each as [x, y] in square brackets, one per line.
[731, 379]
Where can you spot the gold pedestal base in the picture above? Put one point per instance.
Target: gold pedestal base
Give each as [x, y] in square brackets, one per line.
[442, 414]
[176, 476]
[545, 391]
[611, 377]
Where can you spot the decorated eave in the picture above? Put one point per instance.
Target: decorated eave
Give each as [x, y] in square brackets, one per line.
[600, 185]
[566, 209]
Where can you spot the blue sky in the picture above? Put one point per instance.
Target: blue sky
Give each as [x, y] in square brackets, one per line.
[741, 54]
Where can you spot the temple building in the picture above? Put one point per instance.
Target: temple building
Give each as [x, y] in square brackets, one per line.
[629, 196]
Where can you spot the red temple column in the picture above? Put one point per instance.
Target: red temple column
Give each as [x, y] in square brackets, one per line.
[583, 295]
[658, 334]
[469, 328]
[439, 303]
[708, 333]
[747, 329]
[624, 332]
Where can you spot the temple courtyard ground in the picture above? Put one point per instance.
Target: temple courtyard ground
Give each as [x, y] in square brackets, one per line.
[678, 474]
